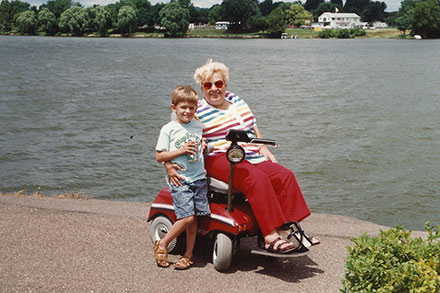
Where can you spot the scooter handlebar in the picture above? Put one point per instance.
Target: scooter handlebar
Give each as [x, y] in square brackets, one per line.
[270, 142]
[235, 136]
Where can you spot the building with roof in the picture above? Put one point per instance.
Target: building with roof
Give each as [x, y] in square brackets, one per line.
[339, 20]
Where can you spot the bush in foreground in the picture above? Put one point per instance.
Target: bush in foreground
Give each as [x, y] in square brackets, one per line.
[393, 262]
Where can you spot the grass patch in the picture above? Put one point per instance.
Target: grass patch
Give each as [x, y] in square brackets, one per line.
[210, 32]
[302, 33]
[383, 33]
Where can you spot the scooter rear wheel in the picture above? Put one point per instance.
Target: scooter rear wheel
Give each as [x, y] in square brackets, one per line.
[160, 227]
[222, 252]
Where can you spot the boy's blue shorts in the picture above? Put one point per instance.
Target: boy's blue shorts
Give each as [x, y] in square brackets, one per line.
[190, 199]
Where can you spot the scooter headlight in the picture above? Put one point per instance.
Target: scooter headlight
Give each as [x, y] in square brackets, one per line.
[235, 154]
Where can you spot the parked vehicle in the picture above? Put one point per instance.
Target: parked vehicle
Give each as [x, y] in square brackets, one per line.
[231, 215]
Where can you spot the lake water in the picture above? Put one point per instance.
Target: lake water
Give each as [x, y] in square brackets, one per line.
[358, 121]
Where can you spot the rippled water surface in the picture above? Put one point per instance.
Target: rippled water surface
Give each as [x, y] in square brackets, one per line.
[358, 121]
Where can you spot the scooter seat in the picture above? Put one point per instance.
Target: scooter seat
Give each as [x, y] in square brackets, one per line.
[217, 185]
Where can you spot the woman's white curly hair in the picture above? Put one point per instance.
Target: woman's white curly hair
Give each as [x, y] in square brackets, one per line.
[206, 71]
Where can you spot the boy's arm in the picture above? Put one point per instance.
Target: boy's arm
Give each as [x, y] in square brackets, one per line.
[163, 156]
[188, 148]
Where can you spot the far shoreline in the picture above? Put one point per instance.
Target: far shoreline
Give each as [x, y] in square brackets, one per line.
[382, 33]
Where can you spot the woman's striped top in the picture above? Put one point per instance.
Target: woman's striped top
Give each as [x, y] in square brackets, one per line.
[216, 124]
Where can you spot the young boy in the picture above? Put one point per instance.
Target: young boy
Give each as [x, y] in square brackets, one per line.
[180, 142]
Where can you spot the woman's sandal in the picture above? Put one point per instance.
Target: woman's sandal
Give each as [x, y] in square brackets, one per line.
[279, 249]
[314, 240]
[183, 264]
[161, 255]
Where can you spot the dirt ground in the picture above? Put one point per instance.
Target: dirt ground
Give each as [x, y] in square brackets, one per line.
[71, 245]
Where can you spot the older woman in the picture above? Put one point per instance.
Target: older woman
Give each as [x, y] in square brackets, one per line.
[271, 189]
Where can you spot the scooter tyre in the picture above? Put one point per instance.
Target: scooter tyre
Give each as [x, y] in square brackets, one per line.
[160, 227]
[222, 252]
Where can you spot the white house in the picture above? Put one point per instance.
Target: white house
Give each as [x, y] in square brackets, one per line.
[339, 20]
[221, 25]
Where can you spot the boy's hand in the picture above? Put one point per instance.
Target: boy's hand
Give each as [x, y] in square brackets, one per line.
[190, 147]
[173, 176]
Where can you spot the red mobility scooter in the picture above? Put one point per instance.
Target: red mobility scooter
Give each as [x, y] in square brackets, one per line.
[231, 216]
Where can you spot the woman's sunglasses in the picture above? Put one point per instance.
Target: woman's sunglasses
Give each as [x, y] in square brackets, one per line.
[208, 85]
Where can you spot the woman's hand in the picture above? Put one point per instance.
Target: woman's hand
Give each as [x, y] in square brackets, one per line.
[264, 150]
[173, 176]
[204, 145]
[266, 153]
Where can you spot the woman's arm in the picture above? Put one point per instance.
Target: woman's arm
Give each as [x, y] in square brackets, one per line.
[173, 176]
[264, 150]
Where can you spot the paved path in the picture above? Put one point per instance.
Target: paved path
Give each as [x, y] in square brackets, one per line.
[59, 245]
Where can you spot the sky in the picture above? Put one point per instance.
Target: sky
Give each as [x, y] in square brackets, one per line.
[392, 5]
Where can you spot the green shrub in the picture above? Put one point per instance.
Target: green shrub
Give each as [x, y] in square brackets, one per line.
[357, 32]
[325, 34]
[343, 33]
[393, 262]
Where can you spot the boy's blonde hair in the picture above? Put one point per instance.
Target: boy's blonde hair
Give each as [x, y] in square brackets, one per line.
[184, 93]
[206, 71]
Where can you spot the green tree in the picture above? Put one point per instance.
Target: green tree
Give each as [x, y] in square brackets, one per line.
[9, 11]
[239, 12]
[356, 6]
[296, 15]
[338, 3]
[311, 5]
[185, 3]
[257, 23]
[27, 22]
[276, 23]
[57, 7]
[402, 21]
[74, 20]
[17, 6]
[266, 7]
[5, 16]
[143, 11]
[127, 19]
[215, 14]
[198, 15]
[326, 7]
[102, 20]
[425, 19]
[174, 18]
[375, 11]
[155, 12]
[47, 21]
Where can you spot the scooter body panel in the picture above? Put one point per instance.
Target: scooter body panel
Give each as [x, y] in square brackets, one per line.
[239, 221]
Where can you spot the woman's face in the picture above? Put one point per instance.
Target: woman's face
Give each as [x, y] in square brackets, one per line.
[214, 90]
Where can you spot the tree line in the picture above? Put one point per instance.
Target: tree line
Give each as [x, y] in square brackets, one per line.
[129, 16]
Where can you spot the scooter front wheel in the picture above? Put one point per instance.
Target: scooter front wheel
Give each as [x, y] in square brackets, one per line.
[159, 228]
[222, 253]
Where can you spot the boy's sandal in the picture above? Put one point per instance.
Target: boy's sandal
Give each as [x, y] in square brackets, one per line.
[161, 255]
[279, 249]
[183, 263]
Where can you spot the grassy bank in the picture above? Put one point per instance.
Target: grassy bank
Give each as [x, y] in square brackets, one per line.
[388, 33]
[209, 32]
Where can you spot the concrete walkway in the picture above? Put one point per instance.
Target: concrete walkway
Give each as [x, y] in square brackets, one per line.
[59, 245]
